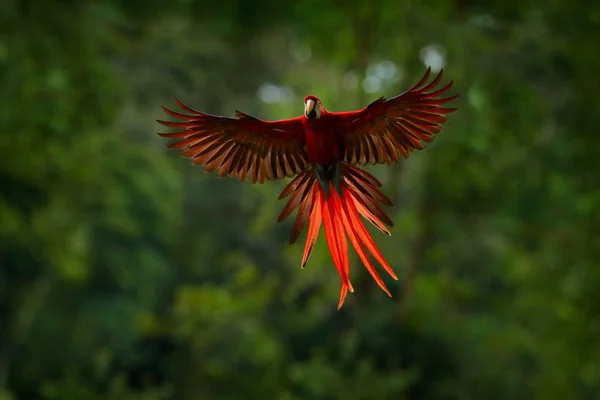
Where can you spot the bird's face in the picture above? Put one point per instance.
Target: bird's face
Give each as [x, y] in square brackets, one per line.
[312, 107]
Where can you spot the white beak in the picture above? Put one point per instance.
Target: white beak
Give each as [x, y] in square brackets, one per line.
[309, 106]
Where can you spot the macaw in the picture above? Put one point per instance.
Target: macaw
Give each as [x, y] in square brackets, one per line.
[321, 151]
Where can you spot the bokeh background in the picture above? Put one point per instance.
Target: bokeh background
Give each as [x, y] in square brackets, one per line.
[126, 273]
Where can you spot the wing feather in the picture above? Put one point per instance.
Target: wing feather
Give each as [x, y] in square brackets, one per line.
[385, 130]
[241, 147]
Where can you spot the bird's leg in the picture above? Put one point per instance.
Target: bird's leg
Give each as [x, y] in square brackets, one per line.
[329, 173]
[322, 179]
[337, 178]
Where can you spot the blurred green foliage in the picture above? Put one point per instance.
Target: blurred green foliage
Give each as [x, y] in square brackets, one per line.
[126, 273]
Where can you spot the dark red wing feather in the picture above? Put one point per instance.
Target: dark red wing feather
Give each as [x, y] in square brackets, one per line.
[242, 147]
[385, 130]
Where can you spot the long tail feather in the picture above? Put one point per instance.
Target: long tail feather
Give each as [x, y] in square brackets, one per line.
[316, 217]
[358, 246]
[340, 215]
[334, 235]
[361, 230]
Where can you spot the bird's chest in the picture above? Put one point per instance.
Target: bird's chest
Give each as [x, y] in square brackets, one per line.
[322, 145]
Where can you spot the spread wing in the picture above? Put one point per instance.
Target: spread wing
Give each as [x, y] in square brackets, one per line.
[240, 147]
[387, 129]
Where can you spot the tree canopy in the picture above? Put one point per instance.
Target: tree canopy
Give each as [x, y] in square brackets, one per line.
[127, 273]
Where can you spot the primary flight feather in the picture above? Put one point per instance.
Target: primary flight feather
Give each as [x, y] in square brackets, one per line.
[321, 150]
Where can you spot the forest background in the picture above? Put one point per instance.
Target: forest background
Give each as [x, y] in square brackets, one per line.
[126, 273]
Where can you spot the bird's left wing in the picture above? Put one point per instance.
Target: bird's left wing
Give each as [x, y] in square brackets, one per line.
[385, 130]
[240, 147]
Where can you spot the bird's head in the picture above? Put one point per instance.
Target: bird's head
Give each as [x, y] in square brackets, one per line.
[312, 107]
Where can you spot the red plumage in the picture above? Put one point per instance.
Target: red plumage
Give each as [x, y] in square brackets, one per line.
[321, 150]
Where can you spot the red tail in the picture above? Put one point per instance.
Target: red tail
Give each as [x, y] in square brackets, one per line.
[340, 217]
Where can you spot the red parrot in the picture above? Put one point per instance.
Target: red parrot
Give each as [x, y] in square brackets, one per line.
[321, 150]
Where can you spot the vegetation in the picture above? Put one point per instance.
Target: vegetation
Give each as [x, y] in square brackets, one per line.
[126, 273]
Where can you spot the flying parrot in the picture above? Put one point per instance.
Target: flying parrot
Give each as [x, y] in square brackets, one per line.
[321, 151]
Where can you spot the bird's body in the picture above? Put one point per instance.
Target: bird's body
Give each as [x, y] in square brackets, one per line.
[323, 145]
[321, 150]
